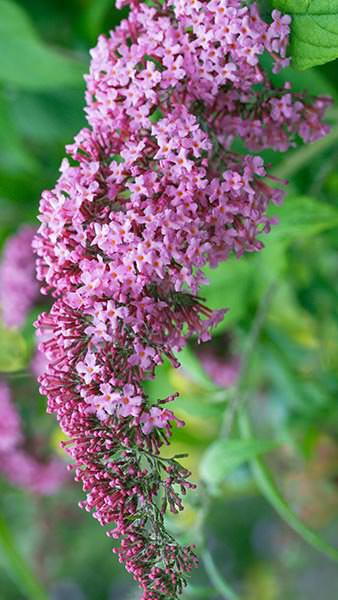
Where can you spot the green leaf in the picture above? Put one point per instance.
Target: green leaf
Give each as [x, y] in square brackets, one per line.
[223, 456]
[315, 83]
[93, 17]
[48, 118]
[301, 217]
[298, 159]
[20, 570]
[268, 488]
[13, 350]
[192, 365]
[196, 406]
[26, 61]
[314, 39]
[228, 287]
[14, 154]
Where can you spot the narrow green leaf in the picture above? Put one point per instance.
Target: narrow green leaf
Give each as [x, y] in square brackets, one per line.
[20, 570]
[223, 456]
[26, 61]
[314, 39]
[272, 494]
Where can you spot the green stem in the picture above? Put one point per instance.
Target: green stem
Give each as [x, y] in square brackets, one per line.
[270, 491]
[21, 571]
[216, 578]
[240, 395]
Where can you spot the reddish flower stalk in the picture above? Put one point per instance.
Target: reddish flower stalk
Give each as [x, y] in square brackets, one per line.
[155, 194]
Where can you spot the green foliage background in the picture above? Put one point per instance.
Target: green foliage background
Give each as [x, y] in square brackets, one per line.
[289, 384]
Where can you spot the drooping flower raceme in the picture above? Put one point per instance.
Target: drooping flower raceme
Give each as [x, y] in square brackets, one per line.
[153, 192]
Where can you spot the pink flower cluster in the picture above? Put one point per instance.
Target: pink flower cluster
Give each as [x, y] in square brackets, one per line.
[154, 192]
[18, 286]
[17, 464]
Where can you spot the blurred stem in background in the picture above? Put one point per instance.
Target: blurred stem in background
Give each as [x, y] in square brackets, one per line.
[261, 473]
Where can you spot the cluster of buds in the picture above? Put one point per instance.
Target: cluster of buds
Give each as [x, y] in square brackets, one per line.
[153, 191]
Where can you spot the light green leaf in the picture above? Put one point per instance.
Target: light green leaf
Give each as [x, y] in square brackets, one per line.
[223, 456]
[301, 217]
[227, 288]
[13, 350]
[26, 61]
[314, 39]
[196, 406]
[192, 365]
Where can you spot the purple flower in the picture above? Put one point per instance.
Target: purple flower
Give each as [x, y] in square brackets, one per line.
[18, 286]
[152, 194]
[16, 464]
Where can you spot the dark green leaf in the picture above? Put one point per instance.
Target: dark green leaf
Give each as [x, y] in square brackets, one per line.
[26, 61]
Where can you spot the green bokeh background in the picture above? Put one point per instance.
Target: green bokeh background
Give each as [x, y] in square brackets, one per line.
[291, 390]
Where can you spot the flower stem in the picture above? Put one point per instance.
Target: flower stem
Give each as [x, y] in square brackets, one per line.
[270, 491]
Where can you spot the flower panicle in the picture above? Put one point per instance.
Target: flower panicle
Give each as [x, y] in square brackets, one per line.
[152, 194]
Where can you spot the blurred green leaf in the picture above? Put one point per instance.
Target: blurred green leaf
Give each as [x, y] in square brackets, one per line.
[314, 39]
[228, 287]
[14, 154]
[192, 365]
[26, 61]
[223, 456]
[13, 350]
[93, 17]
[315, 82]
[297, 160]
[301, 217]
[47, 118]
[197, 406]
